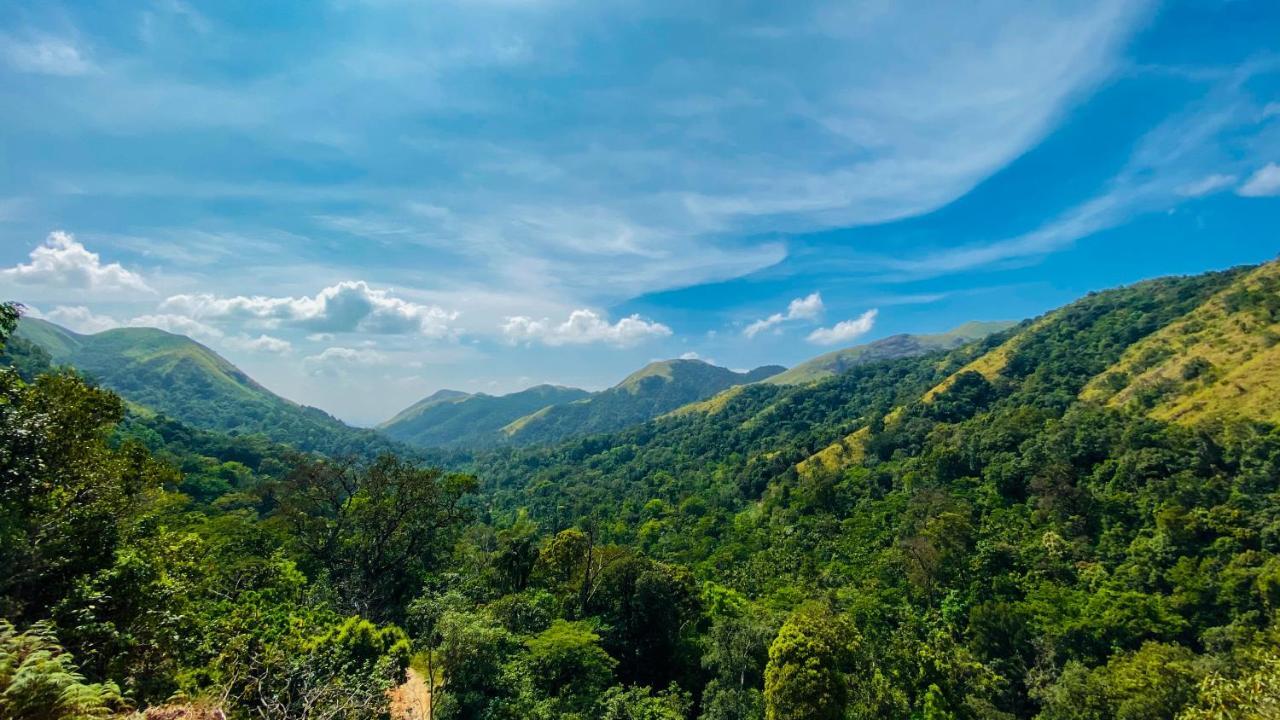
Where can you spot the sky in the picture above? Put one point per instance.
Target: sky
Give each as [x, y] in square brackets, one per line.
[362, 201]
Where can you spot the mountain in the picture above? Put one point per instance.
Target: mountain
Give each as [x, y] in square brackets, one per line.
[160, 372]
[454, 418]
[894, 346]
[841, 361]
[657, 388]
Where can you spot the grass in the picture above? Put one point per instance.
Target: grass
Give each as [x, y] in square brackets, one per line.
[1221, 359]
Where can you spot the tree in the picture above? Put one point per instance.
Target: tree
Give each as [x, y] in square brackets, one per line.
[566, 662]
[375, 530]
[639, 703]
[808, 665]
[736, 652]
[649, 608]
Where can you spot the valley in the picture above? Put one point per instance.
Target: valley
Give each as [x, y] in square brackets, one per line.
[1009, 520]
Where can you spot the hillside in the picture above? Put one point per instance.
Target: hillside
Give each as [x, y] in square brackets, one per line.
[1010, 505]
[449, 418]
[892, 347]
[1221, 360]
[657, 388]
[171, 374]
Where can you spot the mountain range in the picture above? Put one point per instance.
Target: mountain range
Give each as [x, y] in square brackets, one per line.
[159, 372]
[1009, 521]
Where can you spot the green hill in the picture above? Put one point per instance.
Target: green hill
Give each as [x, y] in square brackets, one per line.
[894, 346]
[657, 388]
[171, 374]
[450, 418]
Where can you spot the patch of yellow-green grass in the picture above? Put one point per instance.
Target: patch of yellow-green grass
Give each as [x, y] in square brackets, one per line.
[1221, 359]
[993, 362]
[846, 452]
[520, 423]
[710, 406]
[662, 368]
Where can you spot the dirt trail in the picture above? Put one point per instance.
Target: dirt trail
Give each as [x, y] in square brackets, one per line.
[412, 700]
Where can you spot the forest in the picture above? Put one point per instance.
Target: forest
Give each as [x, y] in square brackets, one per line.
[1030, 525]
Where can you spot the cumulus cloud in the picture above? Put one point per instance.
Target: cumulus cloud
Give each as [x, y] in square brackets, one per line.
[178, 325]
[62, 262]
[77, 318]
[349, 306]
[260, 344]
[338, 359]
[806, 308]
[1207, 185]
[583, 327]
[1263, 183]
[846, 330]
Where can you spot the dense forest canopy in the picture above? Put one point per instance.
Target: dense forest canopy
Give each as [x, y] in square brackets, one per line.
[1074, 518]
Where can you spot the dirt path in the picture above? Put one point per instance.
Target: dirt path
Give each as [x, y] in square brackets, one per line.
[412, 700]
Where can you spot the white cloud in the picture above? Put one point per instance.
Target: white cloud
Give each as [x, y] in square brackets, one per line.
[260, 344]
[44, 56]
[350, 306]
[62, 262]
[339, 359]
[178, 325]
[583, 327]
[76, 317]
[1263, 183]
[806, 308]
[1206, 185]
[846, 330]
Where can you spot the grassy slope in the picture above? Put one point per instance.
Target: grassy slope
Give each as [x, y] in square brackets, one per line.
[1223, 358]
[1127, 318]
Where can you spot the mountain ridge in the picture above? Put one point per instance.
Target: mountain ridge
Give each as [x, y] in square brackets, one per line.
[162, 372]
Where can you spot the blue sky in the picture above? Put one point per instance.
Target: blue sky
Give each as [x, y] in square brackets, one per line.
[362, 201]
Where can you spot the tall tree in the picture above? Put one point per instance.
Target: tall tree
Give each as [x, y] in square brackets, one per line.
[809, 662]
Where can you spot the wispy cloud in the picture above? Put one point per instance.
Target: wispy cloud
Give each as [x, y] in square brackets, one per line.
[1207, 185]
[609, 194]
[44, 55]
[1263, 182]
[1166, 167]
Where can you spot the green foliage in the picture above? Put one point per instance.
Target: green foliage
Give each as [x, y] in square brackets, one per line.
[1252, 695]
[375, 530]
[809, 664]
[636, 703]
[39, 680]
[566, 662]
